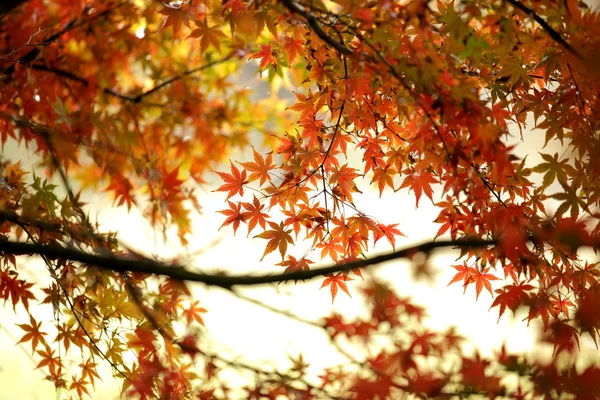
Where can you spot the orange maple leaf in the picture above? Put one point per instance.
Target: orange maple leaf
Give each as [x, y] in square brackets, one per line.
[293, 265]
[278, 237]
[255, 214]
[259, 169]
[266, 56]
[208, 35]
[335, 282]
[234, 215]
[464, 273]
[234, 182]
[194, 313]
[383, 177]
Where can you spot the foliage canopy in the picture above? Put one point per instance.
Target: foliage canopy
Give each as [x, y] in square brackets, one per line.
[140, 100]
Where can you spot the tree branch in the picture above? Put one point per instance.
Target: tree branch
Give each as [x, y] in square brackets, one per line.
[549, 30]
[130, 98]
[316, 27]
[139, 264]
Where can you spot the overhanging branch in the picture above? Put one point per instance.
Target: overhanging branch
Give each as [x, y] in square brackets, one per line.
[148, 266]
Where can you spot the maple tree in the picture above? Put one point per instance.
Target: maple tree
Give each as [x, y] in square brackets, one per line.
[142, 102]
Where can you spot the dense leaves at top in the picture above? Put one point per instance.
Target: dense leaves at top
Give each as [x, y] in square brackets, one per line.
[141, 100]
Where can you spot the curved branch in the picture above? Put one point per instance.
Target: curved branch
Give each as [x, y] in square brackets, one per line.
[147, 266]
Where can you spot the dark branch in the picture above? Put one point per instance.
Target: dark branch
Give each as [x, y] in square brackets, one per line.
[85, 82]
[316, 27]
[182, 75]
[148, 266]
[549, 30]
[130, 98]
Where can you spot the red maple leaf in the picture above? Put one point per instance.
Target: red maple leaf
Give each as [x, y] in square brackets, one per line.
[266, 56]
[33, 333]
[420, 182]
[234, 215]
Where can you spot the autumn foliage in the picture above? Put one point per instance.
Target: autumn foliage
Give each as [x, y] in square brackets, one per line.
[145, 102]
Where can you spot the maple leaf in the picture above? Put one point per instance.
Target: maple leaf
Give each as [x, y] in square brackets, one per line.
[427, 384]
[335, 282]
[389, 231]
[209, 35]
[122, 188]
[344, 178]
[554, 169]
[141, 339]
[259, 169]
[176, 17]
[236, 7]
[16, 289]
[561, 304]
[234, 182]
[563, 336]
[570, 199]
[511, 296]
[482, 279]
[312, 130]
[304, 105]
[266, 56]
[80, 386]
[465, 274]
[278, 237]
[170, 181]
[33, 334]
[255, 214]
[331, 248]
[293, 265]
[420, 182]
[194, 313]
[383, 177]
[89, 369]
[50, 360]
[292, 47]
